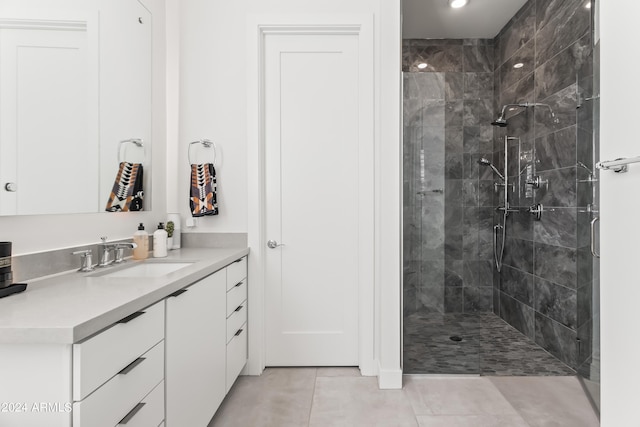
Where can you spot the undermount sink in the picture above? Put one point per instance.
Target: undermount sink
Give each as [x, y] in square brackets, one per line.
[144, 269]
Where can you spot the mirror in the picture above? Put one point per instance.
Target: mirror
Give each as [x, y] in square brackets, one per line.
[75, 81]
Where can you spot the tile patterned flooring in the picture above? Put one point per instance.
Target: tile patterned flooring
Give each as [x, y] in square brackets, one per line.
[489, 346]
[327, 397]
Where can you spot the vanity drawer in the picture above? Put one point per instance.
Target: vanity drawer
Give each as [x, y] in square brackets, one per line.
[235, 296]
[149, 412]
[102, 356]
[112, 402]
[236, 356]
[236, 272]
[236, 320]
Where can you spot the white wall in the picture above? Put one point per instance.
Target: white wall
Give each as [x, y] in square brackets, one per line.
[213, 104]
[620, 204]
[38, 233]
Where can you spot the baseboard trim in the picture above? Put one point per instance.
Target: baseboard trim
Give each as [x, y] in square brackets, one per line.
[389, 379]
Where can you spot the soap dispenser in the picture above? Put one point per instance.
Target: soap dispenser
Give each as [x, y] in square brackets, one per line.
[141, 239]
[160, 242]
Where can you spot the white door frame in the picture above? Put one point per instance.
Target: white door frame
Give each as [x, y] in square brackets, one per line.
[258, 28]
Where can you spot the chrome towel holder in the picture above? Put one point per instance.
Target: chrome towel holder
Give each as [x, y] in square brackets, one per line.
[135, 141]
[207, 143]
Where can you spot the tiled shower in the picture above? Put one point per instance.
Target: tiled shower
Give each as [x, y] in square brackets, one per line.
[453, 90]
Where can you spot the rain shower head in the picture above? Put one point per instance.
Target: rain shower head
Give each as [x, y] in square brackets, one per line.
[500, 122]
[485, 162]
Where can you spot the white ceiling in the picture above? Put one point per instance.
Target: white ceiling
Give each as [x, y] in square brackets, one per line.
[434, 19]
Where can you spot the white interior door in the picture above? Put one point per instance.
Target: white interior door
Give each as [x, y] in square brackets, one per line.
[314, 202]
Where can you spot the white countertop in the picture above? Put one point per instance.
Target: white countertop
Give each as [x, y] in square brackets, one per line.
[69, 307]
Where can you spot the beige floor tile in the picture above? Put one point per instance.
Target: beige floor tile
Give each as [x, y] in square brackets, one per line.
[456, 396]
[548, 401]
[357, 402]
[277, 398]
[338, 372]
[471, 421]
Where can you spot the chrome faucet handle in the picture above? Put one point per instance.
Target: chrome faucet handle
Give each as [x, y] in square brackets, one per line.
[104, 257]
[87, 264]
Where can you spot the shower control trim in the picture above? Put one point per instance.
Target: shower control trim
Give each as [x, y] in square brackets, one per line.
[537, 182]
[536, 211]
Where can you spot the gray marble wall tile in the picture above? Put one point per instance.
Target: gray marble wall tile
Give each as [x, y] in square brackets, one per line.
[556, 302]
[478, 59]
[433, 112]
[557, 339]
[424, 86]
[478, 299]
[560, 190]
[441, 58]
[477, 42]
[453, 113]
[518, 254]
[470, 192]
[453, 198]
[432, 228]
[517, 284]
[518, 32]
[478, 86]
[406, 55]
[454, 86]
[453, 166]
[557, 264]
[485, 193]
[454, 272]
[521, 125]
[585, 140]
[411, 272]
[520, 226]
[418, 43]
[585, 267]
[560, 71]
[478, 112]
[470, 166]
[558, 227]
[569, 23]
[453, 299]
[522, 91]
[453, 244]
[517, 315]
[563, 104]
[478, 274]
[454, 139]
[430, 288]
[583, 225]
[556, 150]
[525, 56]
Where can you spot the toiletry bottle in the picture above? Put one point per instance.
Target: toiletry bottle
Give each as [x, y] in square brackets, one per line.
[141, 238]
[160, 242]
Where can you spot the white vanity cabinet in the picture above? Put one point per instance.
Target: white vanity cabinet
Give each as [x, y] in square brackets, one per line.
[115, 370]
[195, 353]
[203, 357]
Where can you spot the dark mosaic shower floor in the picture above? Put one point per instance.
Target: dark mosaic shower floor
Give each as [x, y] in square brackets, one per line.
[489, 346]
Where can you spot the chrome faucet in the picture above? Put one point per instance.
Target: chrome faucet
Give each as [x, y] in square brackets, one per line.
[120, 247]
[105, 259]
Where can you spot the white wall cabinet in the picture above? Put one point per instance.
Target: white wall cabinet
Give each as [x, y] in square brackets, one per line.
[195, 353]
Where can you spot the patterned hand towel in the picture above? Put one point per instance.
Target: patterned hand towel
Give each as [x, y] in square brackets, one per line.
[127, 194]
[204, 200]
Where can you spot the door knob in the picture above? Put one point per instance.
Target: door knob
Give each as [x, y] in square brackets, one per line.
[272, 244]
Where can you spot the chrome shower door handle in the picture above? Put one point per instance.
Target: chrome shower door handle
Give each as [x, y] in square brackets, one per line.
[593, 237]
[272, 244]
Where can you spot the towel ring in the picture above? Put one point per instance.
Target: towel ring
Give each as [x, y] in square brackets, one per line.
[135, 141]
[207, 143]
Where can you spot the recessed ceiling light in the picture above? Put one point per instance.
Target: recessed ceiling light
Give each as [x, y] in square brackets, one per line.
[456, 4]
[518, 65]
[422, 65]
[588, 5]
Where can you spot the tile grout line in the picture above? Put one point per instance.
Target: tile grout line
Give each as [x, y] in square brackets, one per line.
[313, 394]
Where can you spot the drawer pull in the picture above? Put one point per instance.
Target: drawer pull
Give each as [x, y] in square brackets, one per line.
[131, 317]
[239, 308]
[237, 261]
[239, 284]
[178, 293]
[131, 413]
[131, 366]
[238, 333]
